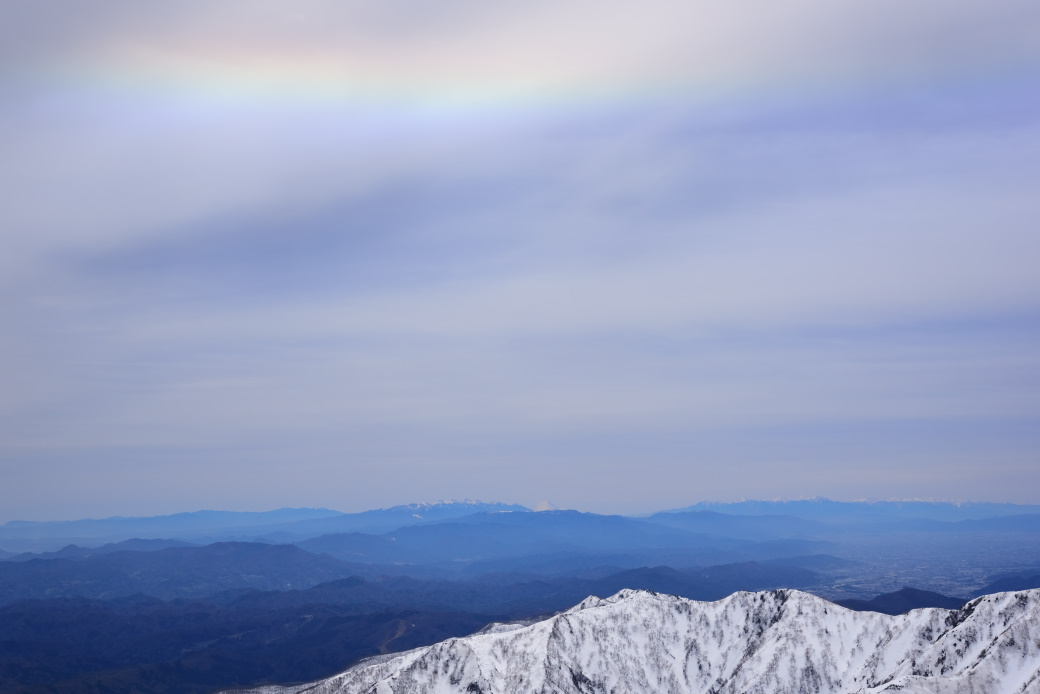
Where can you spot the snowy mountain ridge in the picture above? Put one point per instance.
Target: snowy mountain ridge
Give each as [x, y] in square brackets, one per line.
[469, 504]
[775, 642]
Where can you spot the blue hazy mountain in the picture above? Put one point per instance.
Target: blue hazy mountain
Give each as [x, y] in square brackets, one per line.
[836, 511]
[386, 519]
[774, 519]
[488, 542]
[1026, 579]
[740, 526]
[77, 552]
[141, 645]
[902, 601]
[281, 525]
[197, 525]
[518, 597]
[174, 572]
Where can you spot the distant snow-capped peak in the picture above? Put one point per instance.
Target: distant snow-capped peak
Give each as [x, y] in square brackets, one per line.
[443, 503]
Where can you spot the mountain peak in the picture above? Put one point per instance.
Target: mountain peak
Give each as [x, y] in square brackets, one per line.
[639, 641]
[444, 504]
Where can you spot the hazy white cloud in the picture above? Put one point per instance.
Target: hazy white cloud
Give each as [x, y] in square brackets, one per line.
[468, 237]
[535, 45]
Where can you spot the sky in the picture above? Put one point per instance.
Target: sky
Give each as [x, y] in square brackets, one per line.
[617, 256]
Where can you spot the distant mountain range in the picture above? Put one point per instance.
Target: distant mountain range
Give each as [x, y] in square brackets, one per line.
[756, 521]
[282, 525]
[480, 542]
[745, 519]
[469, 539]
[821, 508]
[200, 601]
[77, 552]
[173, 572]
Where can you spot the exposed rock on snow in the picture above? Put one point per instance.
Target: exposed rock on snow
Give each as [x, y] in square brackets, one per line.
[775, 642]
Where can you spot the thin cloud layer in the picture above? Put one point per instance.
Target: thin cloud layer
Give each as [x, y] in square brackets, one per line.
[365, 254]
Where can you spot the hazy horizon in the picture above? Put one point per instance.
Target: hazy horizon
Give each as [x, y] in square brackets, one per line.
[532, 505]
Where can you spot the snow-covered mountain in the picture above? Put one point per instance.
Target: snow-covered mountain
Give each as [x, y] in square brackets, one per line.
[775, 642]
[453, 507]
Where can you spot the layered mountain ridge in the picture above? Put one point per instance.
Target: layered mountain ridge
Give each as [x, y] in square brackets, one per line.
[207, 601]
[781, 641]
